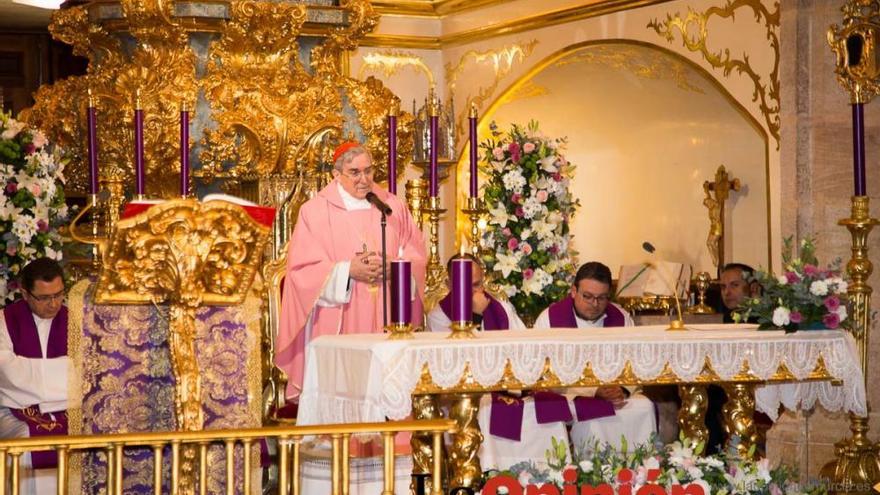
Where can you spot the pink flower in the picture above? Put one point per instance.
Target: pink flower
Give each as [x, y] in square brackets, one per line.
[11, 187]
[796, 317]
[527, 273]
[774, 489]
[29, 148]
[39, 139]
[42, 226]
[831, 320]
[832, 303]
[526, 248]
[519, 212]
[514, 152]
[528, 147]
[515, 198]
[35, 189]
[506, 231]
[11, 250]
[557, 177]
[553, 249]
[498, 153]
[811, 270]
[542, 195]
[792, 277]
[512, 243]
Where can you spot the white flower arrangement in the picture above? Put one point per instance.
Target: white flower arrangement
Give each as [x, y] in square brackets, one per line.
[529, 211]
[32, 203]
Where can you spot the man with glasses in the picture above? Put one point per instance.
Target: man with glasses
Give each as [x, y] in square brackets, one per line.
[619, 412]
[334, 261]
[33, 368]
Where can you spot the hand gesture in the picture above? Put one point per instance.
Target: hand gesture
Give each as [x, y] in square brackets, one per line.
[366, 267]
[480, 301]
[613, 394]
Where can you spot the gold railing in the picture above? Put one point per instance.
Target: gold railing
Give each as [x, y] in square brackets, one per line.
[289, 453]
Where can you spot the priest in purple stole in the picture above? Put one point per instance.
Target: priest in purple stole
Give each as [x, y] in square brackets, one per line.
[608, 412]
[33, 369]
[489, 312]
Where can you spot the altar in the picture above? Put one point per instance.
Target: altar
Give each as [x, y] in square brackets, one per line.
[359, 378]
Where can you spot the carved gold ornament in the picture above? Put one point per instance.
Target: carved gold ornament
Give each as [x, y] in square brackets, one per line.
[391, 62]
[502, 61]
[856, 45]
[695, 36]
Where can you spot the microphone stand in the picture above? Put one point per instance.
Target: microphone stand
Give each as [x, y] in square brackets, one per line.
[384, 274]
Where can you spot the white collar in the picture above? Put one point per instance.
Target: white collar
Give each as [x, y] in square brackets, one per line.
[350, 202]
[600, 321]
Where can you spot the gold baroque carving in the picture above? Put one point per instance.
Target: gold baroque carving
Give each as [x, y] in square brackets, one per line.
[766, 94]
[530, 89]
[161, 66]
[502, 61]
[392, 61]
[633, 60]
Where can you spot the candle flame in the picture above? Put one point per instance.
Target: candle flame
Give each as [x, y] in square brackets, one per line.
[400, 252]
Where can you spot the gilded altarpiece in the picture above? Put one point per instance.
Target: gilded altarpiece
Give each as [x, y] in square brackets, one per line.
[265, 80]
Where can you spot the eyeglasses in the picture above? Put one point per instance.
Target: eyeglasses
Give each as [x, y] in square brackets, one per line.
[356, 175]
[600, 299]
[44, 298]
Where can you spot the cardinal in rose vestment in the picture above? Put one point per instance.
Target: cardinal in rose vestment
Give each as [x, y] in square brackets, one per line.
[333, 283]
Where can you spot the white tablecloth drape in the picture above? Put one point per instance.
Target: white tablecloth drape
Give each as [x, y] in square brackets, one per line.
[366, 378]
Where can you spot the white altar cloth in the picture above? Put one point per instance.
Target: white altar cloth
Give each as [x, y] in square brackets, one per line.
[367, 378]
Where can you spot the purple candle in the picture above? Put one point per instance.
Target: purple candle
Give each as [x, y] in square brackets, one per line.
[92, 118]
[401, 290]
[472, 121]
[434, 129]
[858, 118]
[462, 290]
[184, 151]
[392, 147]
[138, 148]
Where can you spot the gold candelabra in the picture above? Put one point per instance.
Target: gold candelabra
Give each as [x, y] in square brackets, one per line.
[857, 464]
[104, 209]
[475, 210]
[436, 272]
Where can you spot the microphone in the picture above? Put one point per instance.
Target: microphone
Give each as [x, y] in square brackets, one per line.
[378, 203]
[677, 324]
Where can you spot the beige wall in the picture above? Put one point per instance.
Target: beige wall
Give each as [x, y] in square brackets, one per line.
[479, 72]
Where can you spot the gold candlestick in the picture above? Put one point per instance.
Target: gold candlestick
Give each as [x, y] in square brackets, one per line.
[857, 460]
[399, 331]
[436, 276]
[475, 210]
[416, 192]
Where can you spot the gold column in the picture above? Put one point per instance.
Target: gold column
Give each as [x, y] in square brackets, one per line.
[463, 460]
[692, 415]
[739, 412]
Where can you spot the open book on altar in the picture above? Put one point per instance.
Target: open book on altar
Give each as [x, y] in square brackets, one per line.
[653, 279]
[262, 214]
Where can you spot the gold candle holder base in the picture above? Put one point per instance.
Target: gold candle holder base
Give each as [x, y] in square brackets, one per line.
[703, 279]
[462, 330]
[475, 210]
[399, 331]
[676, 326]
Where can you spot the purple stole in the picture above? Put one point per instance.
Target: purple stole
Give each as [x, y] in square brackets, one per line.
[26, 343]
[562, 315]
[506, 417]
[494, 317]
